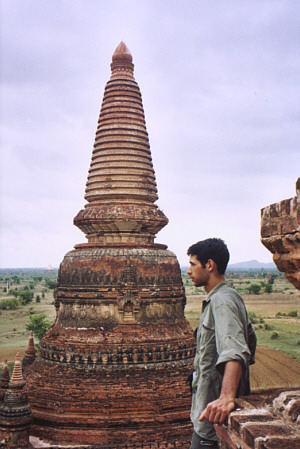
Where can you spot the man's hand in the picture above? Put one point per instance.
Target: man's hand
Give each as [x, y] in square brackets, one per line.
[217, 410]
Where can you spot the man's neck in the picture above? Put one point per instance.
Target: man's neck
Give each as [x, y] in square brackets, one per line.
[214, 281]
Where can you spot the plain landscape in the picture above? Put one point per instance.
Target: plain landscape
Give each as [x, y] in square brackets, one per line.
[273, 304]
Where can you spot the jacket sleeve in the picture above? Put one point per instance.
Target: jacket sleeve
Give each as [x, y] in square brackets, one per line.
[230, 331]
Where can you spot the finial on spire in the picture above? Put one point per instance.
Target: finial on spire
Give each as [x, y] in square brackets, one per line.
[122, 53]
[122, 66]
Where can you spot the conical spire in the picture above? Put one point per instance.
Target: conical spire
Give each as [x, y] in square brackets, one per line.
[30, 353]
[15, 411]
[17, 376]
[121, 187]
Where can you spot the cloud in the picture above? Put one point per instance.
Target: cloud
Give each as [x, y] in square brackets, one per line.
[220, 87]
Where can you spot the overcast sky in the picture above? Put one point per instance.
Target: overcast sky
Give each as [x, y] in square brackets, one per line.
[220, 81]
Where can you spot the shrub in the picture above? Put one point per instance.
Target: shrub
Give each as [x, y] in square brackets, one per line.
[25, 297]
[267, 327]
[252, 317]
[37, 298]
[293, 313]
[274, 335]
[13, 292]
[254, 288]
[268, 288]
[9, 304]
[50, 283]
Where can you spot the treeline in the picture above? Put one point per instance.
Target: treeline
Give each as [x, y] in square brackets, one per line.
[254, 283]
[23, 291]
[266, 286]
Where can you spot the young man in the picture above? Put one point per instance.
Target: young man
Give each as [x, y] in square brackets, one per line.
[222, 357]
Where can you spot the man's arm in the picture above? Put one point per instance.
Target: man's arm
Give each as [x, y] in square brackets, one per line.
[217, 410]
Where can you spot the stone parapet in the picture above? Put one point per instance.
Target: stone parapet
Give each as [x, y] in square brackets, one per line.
[268, 420]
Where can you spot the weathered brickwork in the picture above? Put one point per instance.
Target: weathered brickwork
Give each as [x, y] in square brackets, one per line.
[280, 234]
[268, 420]
[112, 369]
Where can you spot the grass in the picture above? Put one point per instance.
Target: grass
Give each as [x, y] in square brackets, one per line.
[288, 339]
[13, 333]
[283, 300]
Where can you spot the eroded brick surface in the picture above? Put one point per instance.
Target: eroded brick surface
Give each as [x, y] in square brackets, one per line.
[264, 420]
[280, 234]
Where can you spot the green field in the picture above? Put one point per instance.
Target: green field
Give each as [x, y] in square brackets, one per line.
[13, 333]
[275, 315]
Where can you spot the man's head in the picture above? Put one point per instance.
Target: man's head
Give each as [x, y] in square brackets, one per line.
[213, 256]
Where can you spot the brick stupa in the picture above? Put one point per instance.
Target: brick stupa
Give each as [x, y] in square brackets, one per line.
[113, 367]
[15, 411]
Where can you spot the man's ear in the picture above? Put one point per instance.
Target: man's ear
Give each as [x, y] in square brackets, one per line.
[211, 265]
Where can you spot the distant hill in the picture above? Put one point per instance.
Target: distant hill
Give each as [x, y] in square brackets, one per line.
[252, 265]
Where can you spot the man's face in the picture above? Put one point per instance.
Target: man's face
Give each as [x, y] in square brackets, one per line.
[199, 275]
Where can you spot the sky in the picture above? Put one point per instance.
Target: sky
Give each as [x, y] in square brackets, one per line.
[220, 82]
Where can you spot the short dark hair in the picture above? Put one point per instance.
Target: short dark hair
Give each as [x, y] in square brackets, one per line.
[214, 249]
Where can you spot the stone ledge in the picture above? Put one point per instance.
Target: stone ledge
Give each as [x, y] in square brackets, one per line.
[268, 420]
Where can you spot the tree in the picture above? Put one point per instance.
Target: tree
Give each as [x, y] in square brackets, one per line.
[50, 283]
[25, 297]
[39, 325]
[268, 288]
[254, 288]
[272, 278]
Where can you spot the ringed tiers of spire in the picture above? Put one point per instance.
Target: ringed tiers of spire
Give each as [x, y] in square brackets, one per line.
[121, 186]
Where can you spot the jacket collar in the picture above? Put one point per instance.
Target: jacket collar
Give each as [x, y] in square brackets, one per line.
[208, 297]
